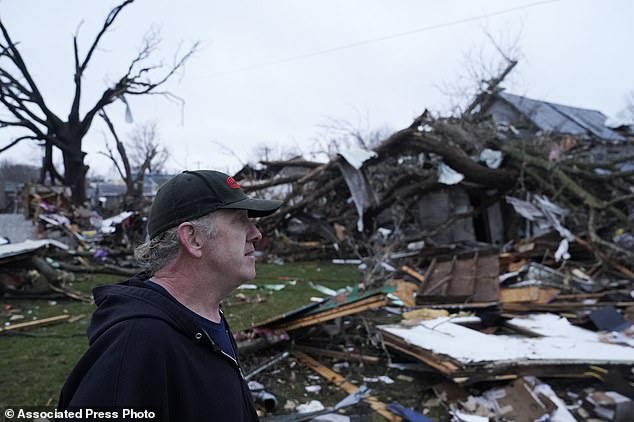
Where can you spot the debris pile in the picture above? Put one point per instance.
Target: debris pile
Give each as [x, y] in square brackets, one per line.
[416, 357]
[497, 252]
[70, 240]
[497, 260]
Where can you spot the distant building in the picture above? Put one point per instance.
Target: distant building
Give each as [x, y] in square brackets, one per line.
[109, 195]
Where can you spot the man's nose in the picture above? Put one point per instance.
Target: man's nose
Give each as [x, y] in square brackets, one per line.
[254, 234]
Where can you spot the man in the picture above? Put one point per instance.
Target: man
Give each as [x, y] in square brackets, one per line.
[159, 342]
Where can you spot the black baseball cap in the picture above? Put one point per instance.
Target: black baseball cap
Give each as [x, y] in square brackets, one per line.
[192, 194]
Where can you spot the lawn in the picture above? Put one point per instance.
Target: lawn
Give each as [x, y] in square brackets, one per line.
[35, 363]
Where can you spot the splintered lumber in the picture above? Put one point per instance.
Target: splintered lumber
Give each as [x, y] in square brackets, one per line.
[624, 270]
[461, 306]
[410, 271]
[369, 303]
[443, 365]
[346, 386]
[329, 308]
[73, 294]
[35, 324]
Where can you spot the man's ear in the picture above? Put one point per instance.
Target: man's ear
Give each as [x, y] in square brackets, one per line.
[189, 239]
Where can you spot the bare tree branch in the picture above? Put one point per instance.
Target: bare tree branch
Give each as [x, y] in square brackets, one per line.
[120, 148]
[15, 142]
[146, 155]
[22, 100]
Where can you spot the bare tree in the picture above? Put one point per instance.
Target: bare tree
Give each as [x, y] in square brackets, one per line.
[145, 155]
[482, 72]
[338, 135]
[146, 151]
[273, 152]
[26, 108]
[349, 135]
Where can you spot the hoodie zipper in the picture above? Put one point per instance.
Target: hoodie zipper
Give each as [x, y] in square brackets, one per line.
[222, 352]
[246, 393]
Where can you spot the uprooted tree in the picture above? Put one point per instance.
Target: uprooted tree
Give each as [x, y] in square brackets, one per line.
[24, 106]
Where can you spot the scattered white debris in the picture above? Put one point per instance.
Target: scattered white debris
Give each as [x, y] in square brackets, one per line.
[311, 406]
[448, 176]
[357, 156]
[492, 158]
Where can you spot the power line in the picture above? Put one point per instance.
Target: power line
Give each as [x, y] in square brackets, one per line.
[383, 38]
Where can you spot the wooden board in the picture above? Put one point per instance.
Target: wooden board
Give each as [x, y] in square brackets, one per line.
[336, 379]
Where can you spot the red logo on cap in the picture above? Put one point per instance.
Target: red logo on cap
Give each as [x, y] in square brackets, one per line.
[232, 183]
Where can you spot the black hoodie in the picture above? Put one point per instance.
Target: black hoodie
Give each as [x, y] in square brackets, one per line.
[146, 353]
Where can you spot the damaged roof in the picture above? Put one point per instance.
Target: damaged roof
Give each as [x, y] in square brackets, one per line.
[556, 118]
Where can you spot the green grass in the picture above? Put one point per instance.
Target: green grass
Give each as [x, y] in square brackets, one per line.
[35, 363]
[297, 291]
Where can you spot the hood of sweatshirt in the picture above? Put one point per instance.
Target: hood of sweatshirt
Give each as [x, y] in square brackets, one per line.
[134, 299]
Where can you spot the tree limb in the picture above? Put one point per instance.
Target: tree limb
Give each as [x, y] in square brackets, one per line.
[14, 142]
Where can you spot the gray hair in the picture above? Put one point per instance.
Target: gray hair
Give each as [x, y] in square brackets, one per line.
[156, 253]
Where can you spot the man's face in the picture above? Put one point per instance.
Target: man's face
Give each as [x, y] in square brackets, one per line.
[230, 254]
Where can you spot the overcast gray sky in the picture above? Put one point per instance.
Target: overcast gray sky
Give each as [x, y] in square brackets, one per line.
[276, 72]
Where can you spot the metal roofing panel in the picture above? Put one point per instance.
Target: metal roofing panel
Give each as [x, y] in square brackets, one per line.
[557, 118]
[592, 120]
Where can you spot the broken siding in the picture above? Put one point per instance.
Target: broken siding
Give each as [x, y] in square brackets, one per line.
[433, 209]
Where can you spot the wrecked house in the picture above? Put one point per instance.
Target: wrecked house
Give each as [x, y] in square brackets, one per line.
[448, 180]
[507, 245]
